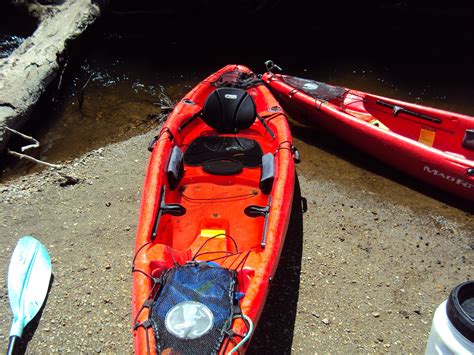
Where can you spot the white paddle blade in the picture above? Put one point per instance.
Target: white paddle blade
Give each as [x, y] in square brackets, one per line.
[28, 281]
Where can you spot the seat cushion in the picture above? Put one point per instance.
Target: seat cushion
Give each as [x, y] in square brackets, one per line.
[211, 148]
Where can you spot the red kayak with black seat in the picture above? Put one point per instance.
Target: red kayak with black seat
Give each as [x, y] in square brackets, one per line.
[213, 219]
[435, 146]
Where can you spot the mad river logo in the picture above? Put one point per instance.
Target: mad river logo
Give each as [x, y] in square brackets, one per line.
[450, 178]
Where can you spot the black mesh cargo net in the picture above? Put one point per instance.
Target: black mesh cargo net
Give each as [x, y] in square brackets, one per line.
[208, 148]
[237, 79]
[194, 308]
[315, 89]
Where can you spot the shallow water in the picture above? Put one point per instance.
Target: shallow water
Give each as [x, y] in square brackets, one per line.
[127, 60]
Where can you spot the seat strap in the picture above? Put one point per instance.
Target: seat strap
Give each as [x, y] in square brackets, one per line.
[269, 130]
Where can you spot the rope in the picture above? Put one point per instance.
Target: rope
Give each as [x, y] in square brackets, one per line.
[246, 337]
[242, 262]
[215, 236]
[138, 251]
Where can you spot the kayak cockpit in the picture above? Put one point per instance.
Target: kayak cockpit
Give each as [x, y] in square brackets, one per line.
[219, 170]
[442, 130]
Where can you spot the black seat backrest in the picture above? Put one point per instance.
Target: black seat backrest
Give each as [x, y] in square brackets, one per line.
[228, 110]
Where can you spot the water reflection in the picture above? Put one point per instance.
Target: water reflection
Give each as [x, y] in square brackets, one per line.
[8, 43]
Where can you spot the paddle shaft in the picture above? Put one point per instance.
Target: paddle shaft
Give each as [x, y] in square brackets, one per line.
[11, 344]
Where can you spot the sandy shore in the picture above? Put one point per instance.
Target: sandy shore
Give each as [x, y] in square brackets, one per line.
[363, 272]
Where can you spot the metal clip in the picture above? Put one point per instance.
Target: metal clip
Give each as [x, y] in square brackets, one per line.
[270, 65]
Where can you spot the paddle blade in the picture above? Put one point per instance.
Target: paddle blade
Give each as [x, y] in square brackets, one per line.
[28, 281]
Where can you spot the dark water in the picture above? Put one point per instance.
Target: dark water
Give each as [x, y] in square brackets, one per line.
[416, 53]
[15, 25]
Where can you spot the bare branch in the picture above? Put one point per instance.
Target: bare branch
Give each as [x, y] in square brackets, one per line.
[27, 157]
[58, 89]
[81, 94]
[166, 104]
[35, 144]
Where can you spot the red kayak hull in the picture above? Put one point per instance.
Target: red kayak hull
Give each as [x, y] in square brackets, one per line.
[429, 148]
[180, 237]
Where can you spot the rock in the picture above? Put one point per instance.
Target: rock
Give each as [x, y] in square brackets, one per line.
[376, 314]
[326, 321]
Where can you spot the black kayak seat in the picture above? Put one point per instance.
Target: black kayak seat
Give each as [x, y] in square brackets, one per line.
[223, 167]
[209, 150]
[229, 110]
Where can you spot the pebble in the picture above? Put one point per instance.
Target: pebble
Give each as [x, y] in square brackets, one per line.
[376, 314]
[326, 321]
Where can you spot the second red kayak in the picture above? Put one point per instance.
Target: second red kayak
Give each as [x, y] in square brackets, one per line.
[435, 146]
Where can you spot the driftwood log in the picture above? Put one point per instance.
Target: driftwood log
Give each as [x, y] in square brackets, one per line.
[26, 73]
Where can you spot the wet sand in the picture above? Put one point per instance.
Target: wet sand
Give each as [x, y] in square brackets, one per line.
[362, 271]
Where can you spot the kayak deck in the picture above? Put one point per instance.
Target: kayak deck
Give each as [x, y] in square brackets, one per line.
[217, 208]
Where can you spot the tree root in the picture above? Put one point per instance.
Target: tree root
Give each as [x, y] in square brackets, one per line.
[34, 160]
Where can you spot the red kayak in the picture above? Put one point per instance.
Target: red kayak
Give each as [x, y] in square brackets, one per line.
[435, 146]
[213, 219]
